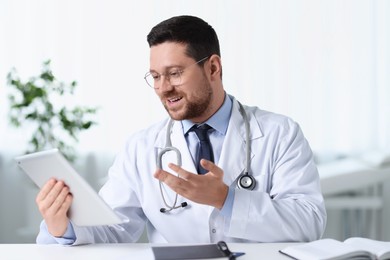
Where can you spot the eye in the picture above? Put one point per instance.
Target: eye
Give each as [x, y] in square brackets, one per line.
[155, 76]
[174, 74]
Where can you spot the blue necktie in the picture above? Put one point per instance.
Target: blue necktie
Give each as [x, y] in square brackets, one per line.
[205, 151]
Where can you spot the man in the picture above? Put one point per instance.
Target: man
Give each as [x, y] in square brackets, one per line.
[259, 184]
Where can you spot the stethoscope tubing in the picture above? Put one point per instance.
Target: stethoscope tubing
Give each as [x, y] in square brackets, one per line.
[245, 181]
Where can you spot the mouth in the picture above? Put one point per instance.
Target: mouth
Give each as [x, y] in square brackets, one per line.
[174, 100]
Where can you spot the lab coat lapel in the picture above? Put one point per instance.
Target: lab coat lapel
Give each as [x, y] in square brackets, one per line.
[179, 141]
[232, 160]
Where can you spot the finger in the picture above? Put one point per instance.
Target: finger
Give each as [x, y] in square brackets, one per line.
[45, 190]
[47, 202]
[66, 204]
[55, 191]
[211, 167]
[164, 176]
[59, 201]
[180, 171]
[160, 175]
[175, 183]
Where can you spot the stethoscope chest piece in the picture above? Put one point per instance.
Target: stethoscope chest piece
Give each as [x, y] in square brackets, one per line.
[246, 182]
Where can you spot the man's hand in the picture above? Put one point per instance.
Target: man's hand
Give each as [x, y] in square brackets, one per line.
[54, 200]
[206, 189]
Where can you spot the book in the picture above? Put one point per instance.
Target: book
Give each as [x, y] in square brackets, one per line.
[331, 249]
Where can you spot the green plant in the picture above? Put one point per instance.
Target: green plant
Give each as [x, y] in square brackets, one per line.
[32, 106]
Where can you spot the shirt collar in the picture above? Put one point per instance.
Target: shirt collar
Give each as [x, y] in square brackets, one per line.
[219, 121]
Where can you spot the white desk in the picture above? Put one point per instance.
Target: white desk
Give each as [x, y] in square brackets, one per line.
[125, 251]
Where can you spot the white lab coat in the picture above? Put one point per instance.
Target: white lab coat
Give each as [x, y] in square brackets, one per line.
[286, 204]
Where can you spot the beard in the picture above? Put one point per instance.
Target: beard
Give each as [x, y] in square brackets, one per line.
[196, 106]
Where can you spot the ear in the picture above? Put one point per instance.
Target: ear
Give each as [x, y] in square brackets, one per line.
[215, 67]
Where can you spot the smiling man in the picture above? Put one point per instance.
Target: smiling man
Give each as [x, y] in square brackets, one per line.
[213, 170]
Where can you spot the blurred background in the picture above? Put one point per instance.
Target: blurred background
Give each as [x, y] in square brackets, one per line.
[325, 63]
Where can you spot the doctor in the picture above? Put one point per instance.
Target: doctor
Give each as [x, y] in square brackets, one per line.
[260, 182]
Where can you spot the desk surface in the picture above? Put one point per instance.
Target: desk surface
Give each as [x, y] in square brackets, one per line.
[125, 251]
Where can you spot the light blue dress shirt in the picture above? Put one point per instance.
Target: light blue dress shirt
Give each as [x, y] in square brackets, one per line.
[219, 122]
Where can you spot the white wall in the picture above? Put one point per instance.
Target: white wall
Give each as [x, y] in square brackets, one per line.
[325, 63]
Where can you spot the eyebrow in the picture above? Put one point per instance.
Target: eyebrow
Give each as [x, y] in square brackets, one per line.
[169, 68]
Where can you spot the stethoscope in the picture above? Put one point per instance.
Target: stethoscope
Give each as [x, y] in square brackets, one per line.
[245, 180]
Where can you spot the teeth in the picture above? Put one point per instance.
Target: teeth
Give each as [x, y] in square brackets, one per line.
[174, 99]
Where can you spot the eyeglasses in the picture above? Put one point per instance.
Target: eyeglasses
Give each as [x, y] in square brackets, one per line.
[153, 79]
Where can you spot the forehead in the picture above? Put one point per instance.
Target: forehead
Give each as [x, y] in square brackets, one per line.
[168, 54]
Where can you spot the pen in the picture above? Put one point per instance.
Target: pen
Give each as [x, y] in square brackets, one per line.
[225, 249]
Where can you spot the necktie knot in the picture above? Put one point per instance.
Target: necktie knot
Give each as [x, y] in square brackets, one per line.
[201, 132]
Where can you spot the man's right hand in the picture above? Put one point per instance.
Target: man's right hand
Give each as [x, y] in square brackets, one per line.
[54, 200]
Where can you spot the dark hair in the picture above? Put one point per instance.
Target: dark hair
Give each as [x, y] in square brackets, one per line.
[200, 37]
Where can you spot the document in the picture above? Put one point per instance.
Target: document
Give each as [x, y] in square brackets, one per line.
[331, 249]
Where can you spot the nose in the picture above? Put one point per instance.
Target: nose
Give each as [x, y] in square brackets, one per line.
[165, 85]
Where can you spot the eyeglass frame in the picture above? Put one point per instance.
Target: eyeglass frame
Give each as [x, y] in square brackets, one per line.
[168, 75]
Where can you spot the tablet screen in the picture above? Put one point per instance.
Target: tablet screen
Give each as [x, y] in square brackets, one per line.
[88, 208]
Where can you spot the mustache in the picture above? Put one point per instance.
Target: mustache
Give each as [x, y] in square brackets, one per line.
[170, 94]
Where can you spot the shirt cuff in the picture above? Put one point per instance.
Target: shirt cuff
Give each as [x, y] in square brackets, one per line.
[68, 238]
[227, 207]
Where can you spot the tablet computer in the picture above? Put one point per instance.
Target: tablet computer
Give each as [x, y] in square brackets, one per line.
[88, 208]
